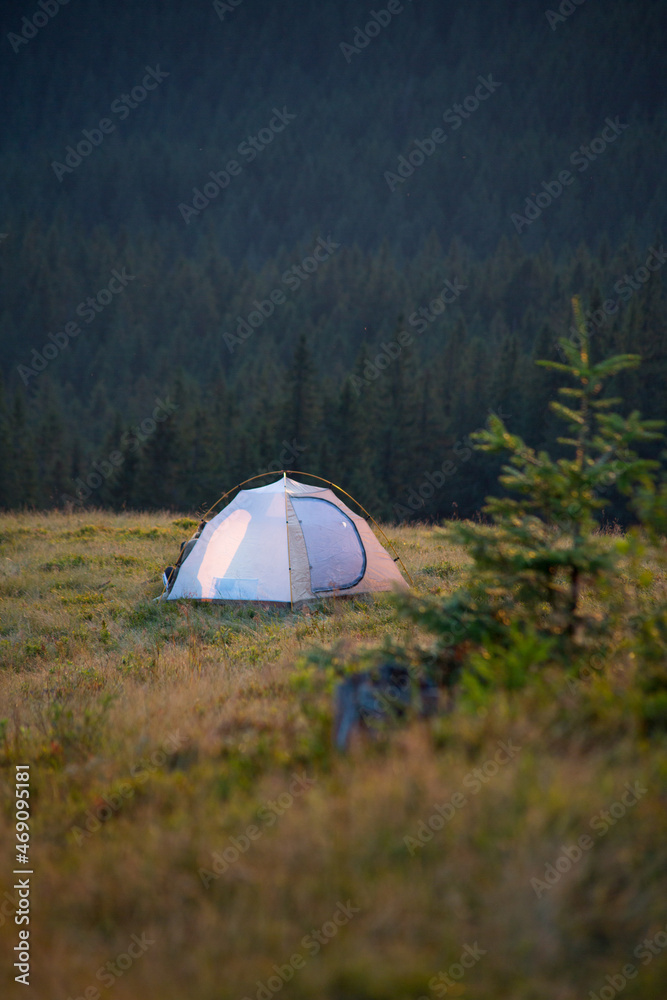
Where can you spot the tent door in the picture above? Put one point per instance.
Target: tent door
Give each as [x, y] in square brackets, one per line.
[336, 553]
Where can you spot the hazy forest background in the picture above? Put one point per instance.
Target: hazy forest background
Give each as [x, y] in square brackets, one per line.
[345, 378]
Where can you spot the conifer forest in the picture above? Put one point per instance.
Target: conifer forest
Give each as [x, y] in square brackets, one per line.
[247, 236]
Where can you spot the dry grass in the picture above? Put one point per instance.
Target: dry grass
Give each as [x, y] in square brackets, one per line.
[192, 720]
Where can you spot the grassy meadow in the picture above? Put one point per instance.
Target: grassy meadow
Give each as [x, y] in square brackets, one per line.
[188, 810]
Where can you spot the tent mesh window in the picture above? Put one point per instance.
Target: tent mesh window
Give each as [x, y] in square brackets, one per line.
[335, 551]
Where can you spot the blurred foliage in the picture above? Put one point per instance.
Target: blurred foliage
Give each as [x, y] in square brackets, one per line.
[545, 585]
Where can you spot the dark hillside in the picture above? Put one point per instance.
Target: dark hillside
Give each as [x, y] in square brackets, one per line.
[323, 137]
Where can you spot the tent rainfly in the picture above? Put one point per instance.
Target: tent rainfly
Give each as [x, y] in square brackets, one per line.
[286, 542]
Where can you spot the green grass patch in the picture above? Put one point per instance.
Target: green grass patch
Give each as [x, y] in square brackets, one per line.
[158, 733]
[63, 562]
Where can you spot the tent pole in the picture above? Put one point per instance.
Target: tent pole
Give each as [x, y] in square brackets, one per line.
[262, 475]
[289, 554]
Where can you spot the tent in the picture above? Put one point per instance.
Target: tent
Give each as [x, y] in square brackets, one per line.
[286, 542]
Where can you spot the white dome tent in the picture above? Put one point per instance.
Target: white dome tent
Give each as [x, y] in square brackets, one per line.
[287, 542]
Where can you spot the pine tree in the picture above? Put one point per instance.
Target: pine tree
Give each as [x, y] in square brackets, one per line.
[541, 546]
[23, 459]
[110, 493]
[157, 473]
[301, 410]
